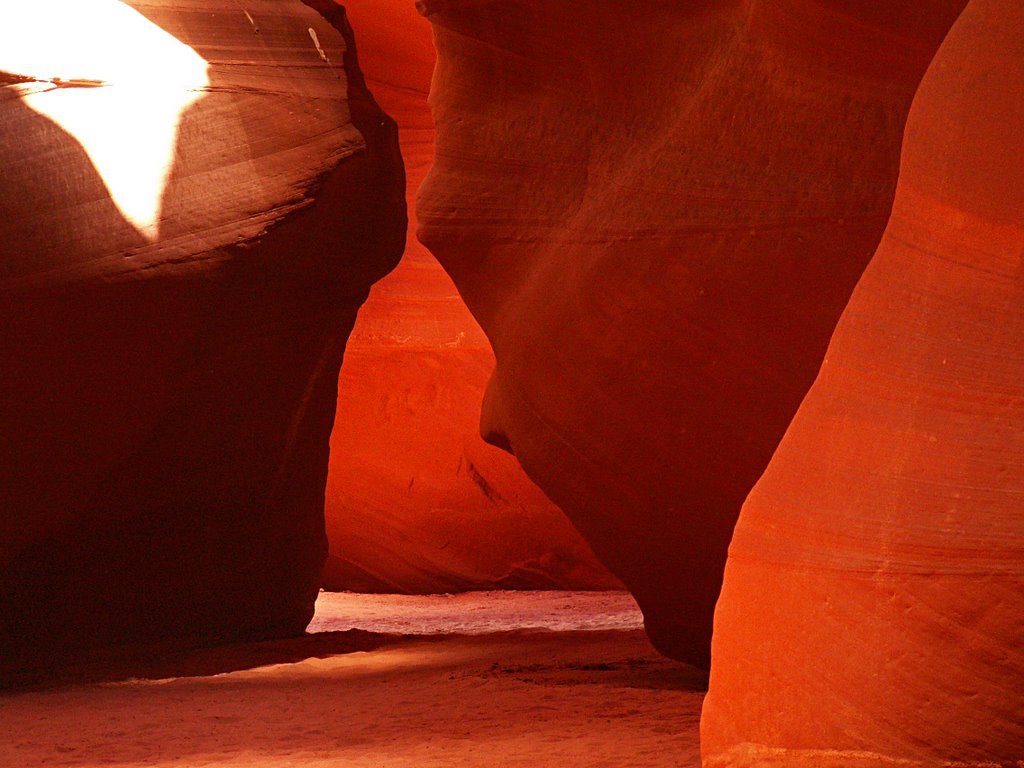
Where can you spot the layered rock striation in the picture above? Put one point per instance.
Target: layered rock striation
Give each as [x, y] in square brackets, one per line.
[416, 501]
[196, 201]
[657, 213]
[873, 601]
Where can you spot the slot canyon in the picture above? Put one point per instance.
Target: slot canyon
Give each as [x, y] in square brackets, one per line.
[512, 383]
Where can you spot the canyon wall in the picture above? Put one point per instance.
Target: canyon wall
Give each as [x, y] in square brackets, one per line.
[873, 601]
[196, 201]
[416, 501]
[657, 212]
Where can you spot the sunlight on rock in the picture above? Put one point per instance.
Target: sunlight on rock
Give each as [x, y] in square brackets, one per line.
[120, 90]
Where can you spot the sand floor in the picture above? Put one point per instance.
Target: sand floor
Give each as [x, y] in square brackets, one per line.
[567, 690]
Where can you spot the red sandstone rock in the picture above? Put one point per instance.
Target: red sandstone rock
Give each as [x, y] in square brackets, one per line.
[657, 213]
[873, 606]
[416, 501]
[196, 199]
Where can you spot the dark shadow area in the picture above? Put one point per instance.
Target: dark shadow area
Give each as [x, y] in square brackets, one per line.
[188, 659]
[175, 660]
[165, 415]
[651, 674]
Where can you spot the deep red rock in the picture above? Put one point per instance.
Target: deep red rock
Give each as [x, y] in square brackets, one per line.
[170, 366]
[873, 606]
[657, 213]
[416, 501]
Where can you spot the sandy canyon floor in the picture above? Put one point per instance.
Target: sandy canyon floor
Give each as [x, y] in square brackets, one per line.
[486, 679]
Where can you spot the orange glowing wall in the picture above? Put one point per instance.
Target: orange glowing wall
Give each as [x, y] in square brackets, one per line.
[416, 501]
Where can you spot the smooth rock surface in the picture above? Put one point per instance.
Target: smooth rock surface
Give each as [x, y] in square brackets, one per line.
[873, 606]
[657, 212]
[196, 199]
[416, 501]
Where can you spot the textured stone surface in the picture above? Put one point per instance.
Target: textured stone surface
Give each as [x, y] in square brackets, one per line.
[657, 213]
[416, 501]
[169, 367]
[873, 606]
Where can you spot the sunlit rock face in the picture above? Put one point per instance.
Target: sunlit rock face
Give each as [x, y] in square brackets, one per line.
[416, 501]
[873, 606]
[657, 212]
[196, 199]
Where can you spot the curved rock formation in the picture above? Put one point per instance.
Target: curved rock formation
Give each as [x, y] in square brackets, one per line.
[657, 212]
[196, 200]
[416, 501]
[879, 564]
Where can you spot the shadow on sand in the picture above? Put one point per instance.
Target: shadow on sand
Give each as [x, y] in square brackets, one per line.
[148, 662]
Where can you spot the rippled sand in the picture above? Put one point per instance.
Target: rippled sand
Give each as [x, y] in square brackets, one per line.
[477, 613]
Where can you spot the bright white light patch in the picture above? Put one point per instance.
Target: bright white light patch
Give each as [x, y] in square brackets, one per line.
[115, 81]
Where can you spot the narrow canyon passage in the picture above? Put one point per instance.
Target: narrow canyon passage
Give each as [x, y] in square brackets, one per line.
[416, 501]
[398, 383]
